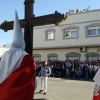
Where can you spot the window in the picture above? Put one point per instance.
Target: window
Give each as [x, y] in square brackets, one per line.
[52, 58]
[37, 58]
[93, 31]
[71, 33]
[92, 58]
[89, 32]
[50, 35]
[73, 58]
[98, 31]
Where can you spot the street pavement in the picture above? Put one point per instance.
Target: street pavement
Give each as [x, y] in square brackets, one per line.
[65, 89]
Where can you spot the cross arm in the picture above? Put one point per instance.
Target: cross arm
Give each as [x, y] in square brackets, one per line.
[9, 25]
[55, 18]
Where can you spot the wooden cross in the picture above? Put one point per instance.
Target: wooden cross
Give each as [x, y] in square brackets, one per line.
[30, 21]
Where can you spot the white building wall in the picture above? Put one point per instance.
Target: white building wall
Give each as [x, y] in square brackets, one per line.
[60, 52]
[80, 20]
[3, 50]
[83, 17]
[39, 38]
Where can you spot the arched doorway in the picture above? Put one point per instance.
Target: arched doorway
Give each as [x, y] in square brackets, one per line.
[52, 56]
[73, 56]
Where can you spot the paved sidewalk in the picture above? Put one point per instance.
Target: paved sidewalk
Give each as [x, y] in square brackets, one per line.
[63, 89]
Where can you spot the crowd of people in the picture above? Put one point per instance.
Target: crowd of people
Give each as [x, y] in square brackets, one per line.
[70, 69]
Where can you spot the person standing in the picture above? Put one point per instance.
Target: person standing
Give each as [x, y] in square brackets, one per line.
[44, 73]
[17, 72]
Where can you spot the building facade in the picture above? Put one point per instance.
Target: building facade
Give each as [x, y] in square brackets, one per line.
[76, 38]
[4, 48]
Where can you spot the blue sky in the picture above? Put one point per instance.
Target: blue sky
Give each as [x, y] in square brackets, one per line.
[41, 7]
